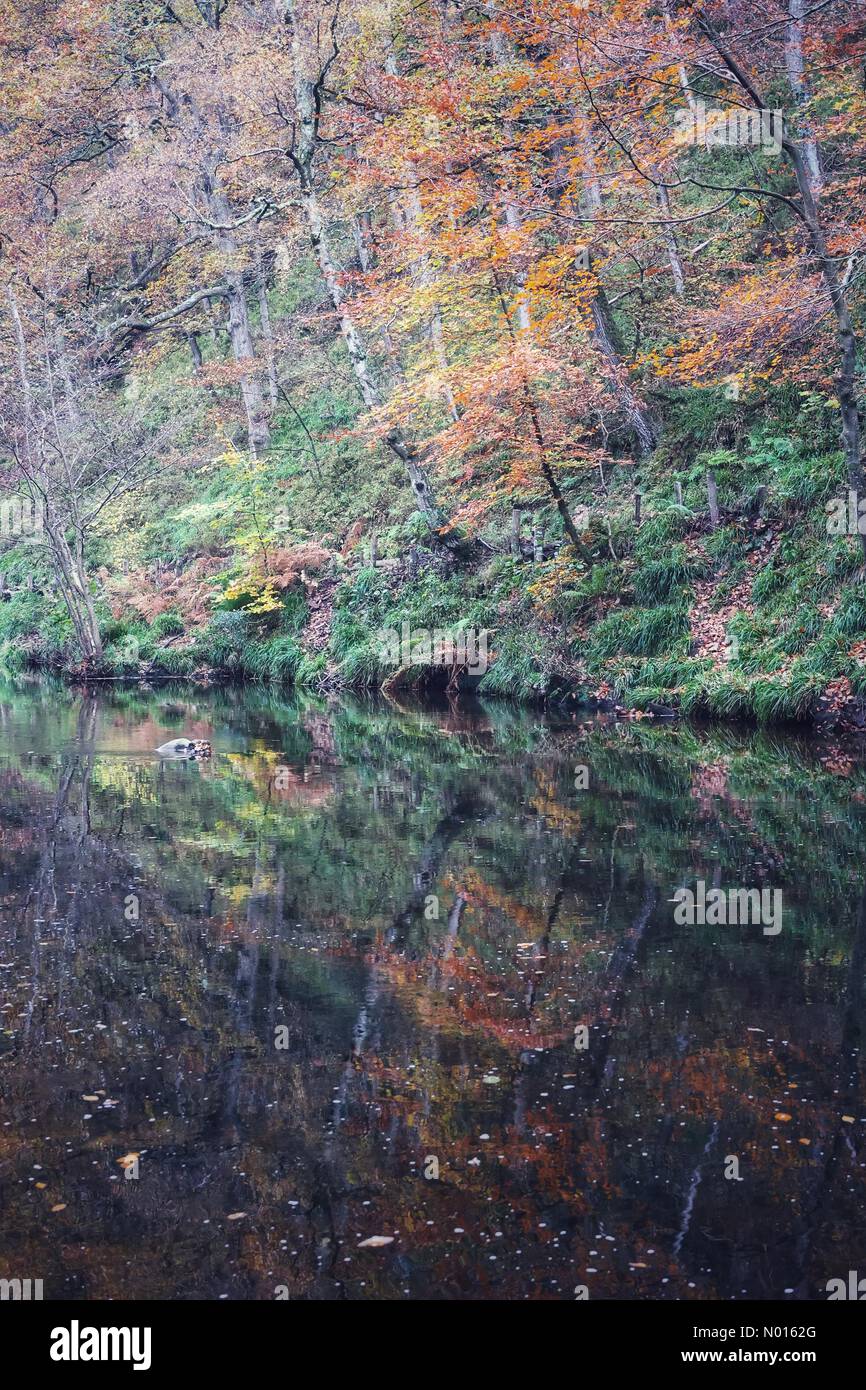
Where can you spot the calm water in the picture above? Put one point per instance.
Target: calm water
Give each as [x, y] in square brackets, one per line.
[354, 948]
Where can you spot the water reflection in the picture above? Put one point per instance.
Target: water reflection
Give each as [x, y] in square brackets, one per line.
[353, 949]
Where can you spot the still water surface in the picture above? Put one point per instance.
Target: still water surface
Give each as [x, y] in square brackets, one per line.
[351, 952]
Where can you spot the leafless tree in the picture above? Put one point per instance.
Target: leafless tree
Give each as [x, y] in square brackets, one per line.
[75, 445]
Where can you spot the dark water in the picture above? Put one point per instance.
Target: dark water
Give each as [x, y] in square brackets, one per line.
[420, 909]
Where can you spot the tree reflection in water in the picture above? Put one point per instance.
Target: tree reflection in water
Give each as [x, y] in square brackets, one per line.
[420, 907]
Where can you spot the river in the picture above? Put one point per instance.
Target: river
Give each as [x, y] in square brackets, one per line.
[415, 976]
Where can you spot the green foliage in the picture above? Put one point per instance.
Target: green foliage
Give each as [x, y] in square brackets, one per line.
[639, 631]
[277, 660]
[226, 641]
[662, 580]
[520, 671]
[167, 624]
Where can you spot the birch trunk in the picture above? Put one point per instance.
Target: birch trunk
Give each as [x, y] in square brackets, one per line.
[671, 244]
[796, 68]
[303, 158]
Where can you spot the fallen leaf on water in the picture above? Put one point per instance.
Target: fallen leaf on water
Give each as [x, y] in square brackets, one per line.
[235, 1215]
[90, 1098]
[849, 1119]
[780, 1115]
[59, 1206]
[804, 1141]
[375, 1241]
[40, 1185]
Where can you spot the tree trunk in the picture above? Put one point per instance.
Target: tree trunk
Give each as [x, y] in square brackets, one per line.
[194, 351]
[268, 338]
[713, 499]
[68, 566]
[796, 67]
[538, 435]
[395, 438]
[73, 584]
[605, 338]
[604, 329]
[303, 157]
[846, 378]
[240, 332]
[515, 532]
[682, 75]
[671, 244]
[362, 234]
[513, 222]
[425, 275]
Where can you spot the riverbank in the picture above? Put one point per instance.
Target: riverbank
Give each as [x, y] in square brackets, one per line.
[760, 618]
[711, 581]
[637, 661]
